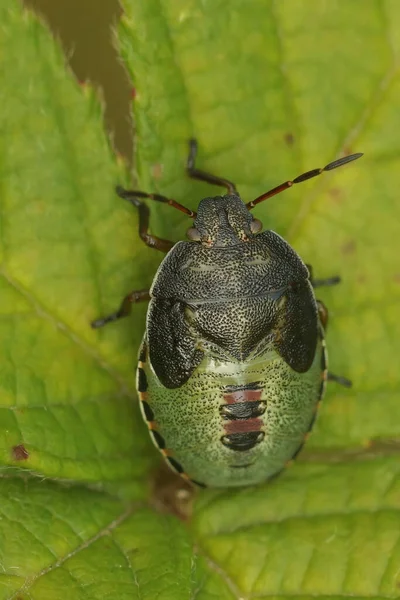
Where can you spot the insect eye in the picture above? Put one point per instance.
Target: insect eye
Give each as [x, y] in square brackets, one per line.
[193, 234]
[255, 226]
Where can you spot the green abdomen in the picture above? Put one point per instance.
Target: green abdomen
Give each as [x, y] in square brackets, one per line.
[233, 423]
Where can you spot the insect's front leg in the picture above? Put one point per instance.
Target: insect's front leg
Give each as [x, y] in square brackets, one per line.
[144, 216]
[195, 173]
[125, 308]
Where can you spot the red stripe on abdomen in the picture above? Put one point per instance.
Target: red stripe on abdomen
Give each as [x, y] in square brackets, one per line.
[243, 396]
[240, 413]
[242, 426]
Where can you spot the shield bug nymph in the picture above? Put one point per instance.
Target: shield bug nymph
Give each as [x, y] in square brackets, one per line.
[233, 362]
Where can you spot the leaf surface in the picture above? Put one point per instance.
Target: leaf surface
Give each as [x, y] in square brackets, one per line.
[270, 90]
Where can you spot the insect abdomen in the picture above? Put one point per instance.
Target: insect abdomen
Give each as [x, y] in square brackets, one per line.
[232, 423]
[241, 413]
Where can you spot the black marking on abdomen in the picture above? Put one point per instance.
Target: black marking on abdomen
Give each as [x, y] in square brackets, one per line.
[297, 452]
[143, 353]
[147, 411]
[158, 438]
[240, 442]
[324, 369]
[242, 410]
[229, 389]
[323, 359]
[174, 463]
[203, 485]
[141, 380]
[312, 422]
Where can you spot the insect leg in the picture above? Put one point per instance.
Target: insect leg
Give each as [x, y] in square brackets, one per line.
[322, 282]
[144, 214]
[340, 380]
[133, 195]
[325, 282]
[125, 308]
[202, 175]
[323, 316]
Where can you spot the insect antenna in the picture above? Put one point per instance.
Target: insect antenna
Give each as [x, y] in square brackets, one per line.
[308, 175]
[133, 195]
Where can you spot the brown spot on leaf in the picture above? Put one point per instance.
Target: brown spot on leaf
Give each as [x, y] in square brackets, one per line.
[396, 278]
[20, 452]
[349, 247]
[289, 139]
[171, 493]
[336, 194]
[157, 171]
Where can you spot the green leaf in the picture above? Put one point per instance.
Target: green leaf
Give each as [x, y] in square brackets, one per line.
[270, 90]
[62, 395]
[77, 543]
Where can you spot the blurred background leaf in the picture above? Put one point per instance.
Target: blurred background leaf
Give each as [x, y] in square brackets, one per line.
[270, 90]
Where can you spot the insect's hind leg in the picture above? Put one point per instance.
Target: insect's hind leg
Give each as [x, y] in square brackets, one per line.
[329, 281]
[124, 309]
[323, 317]
[340, 380]
[202, 175]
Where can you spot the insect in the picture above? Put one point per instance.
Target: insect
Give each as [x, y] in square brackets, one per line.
[233, 363]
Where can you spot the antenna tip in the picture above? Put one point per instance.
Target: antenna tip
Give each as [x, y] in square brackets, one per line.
[342, 161]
